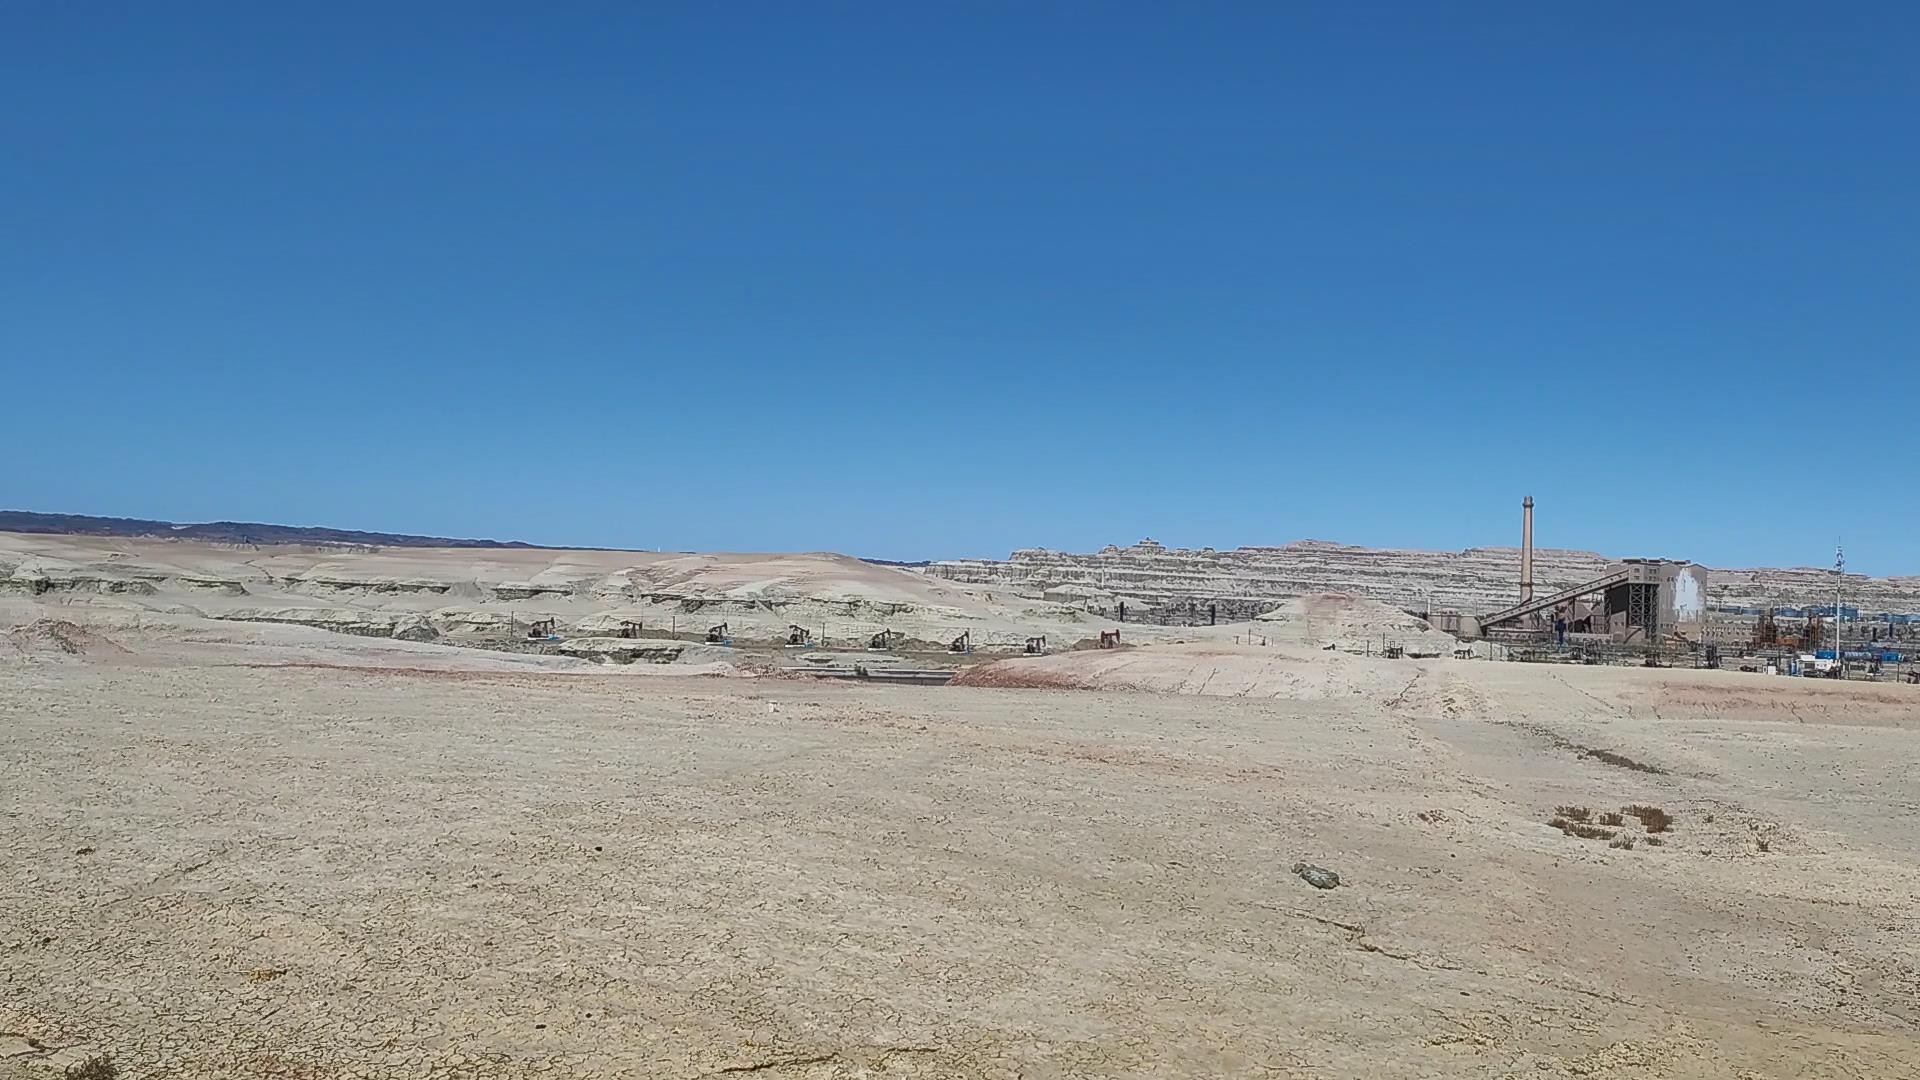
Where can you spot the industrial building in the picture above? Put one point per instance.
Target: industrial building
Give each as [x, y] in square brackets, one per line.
[1635, 602]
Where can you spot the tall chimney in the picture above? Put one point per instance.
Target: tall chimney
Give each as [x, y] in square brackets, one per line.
[1526, 549]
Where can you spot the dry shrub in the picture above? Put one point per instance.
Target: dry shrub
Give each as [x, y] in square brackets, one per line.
[1654, 840]
[1611, 818]
[1573, 813]
[1655, 819]
[1581, 829]
[1623, 761]
[99, 1067]
[1623, 841]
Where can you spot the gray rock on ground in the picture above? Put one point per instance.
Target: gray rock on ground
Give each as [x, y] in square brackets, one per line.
[1317, 876]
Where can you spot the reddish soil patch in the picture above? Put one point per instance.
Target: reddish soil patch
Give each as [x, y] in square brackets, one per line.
[1017, 675]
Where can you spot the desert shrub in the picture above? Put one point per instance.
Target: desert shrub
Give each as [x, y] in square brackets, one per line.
[98, 1067]
[1581, 829]
[1614, 757]
[1655, 819]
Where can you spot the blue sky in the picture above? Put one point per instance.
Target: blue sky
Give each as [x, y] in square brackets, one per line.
[916, 280]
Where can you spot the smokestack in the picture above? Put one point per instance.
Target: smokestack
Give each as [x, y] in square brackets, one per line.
[1526, 549]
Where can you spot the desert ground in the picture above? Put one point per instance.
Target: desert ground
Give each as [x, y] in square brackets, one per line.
[241, 843]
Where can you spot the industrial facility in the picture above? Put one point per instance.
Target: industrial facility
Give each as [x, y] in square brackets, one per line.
[1635, 602]
[1659, 610]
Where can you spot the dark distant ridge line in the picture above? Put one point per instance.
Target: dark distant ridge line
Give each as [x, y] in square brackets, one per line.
[231, 532]
[253, 532]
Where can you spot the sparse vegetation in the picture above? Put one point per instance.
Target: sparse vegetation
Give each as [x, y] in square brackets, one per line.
[1654, 819]
[1581, 829]
[1763, 843]
[98, 1067]
[1653, 840]
[1610, 757]
[1614, 758]
[1580, 821]
[1623, 841]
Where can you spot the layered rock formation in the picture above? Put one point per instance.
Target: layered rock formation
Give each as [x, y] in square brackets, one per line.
[495, 596]
[1178, 585]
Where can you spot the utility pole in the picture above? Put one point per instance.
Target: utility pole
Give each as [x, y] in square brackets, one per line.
[1839, 569]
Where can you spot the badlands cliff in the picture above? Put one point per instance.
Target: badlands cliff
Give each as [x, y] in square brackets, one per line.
[626, 599]
[1179, 584]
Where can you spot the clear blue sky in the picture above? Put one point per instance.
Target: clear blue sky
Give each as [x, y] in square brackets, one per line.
[918, 280]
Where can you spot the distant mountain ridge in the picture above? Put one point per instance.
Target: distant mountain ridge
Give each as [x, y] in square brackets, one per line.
[253, 532]
[229, 532]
